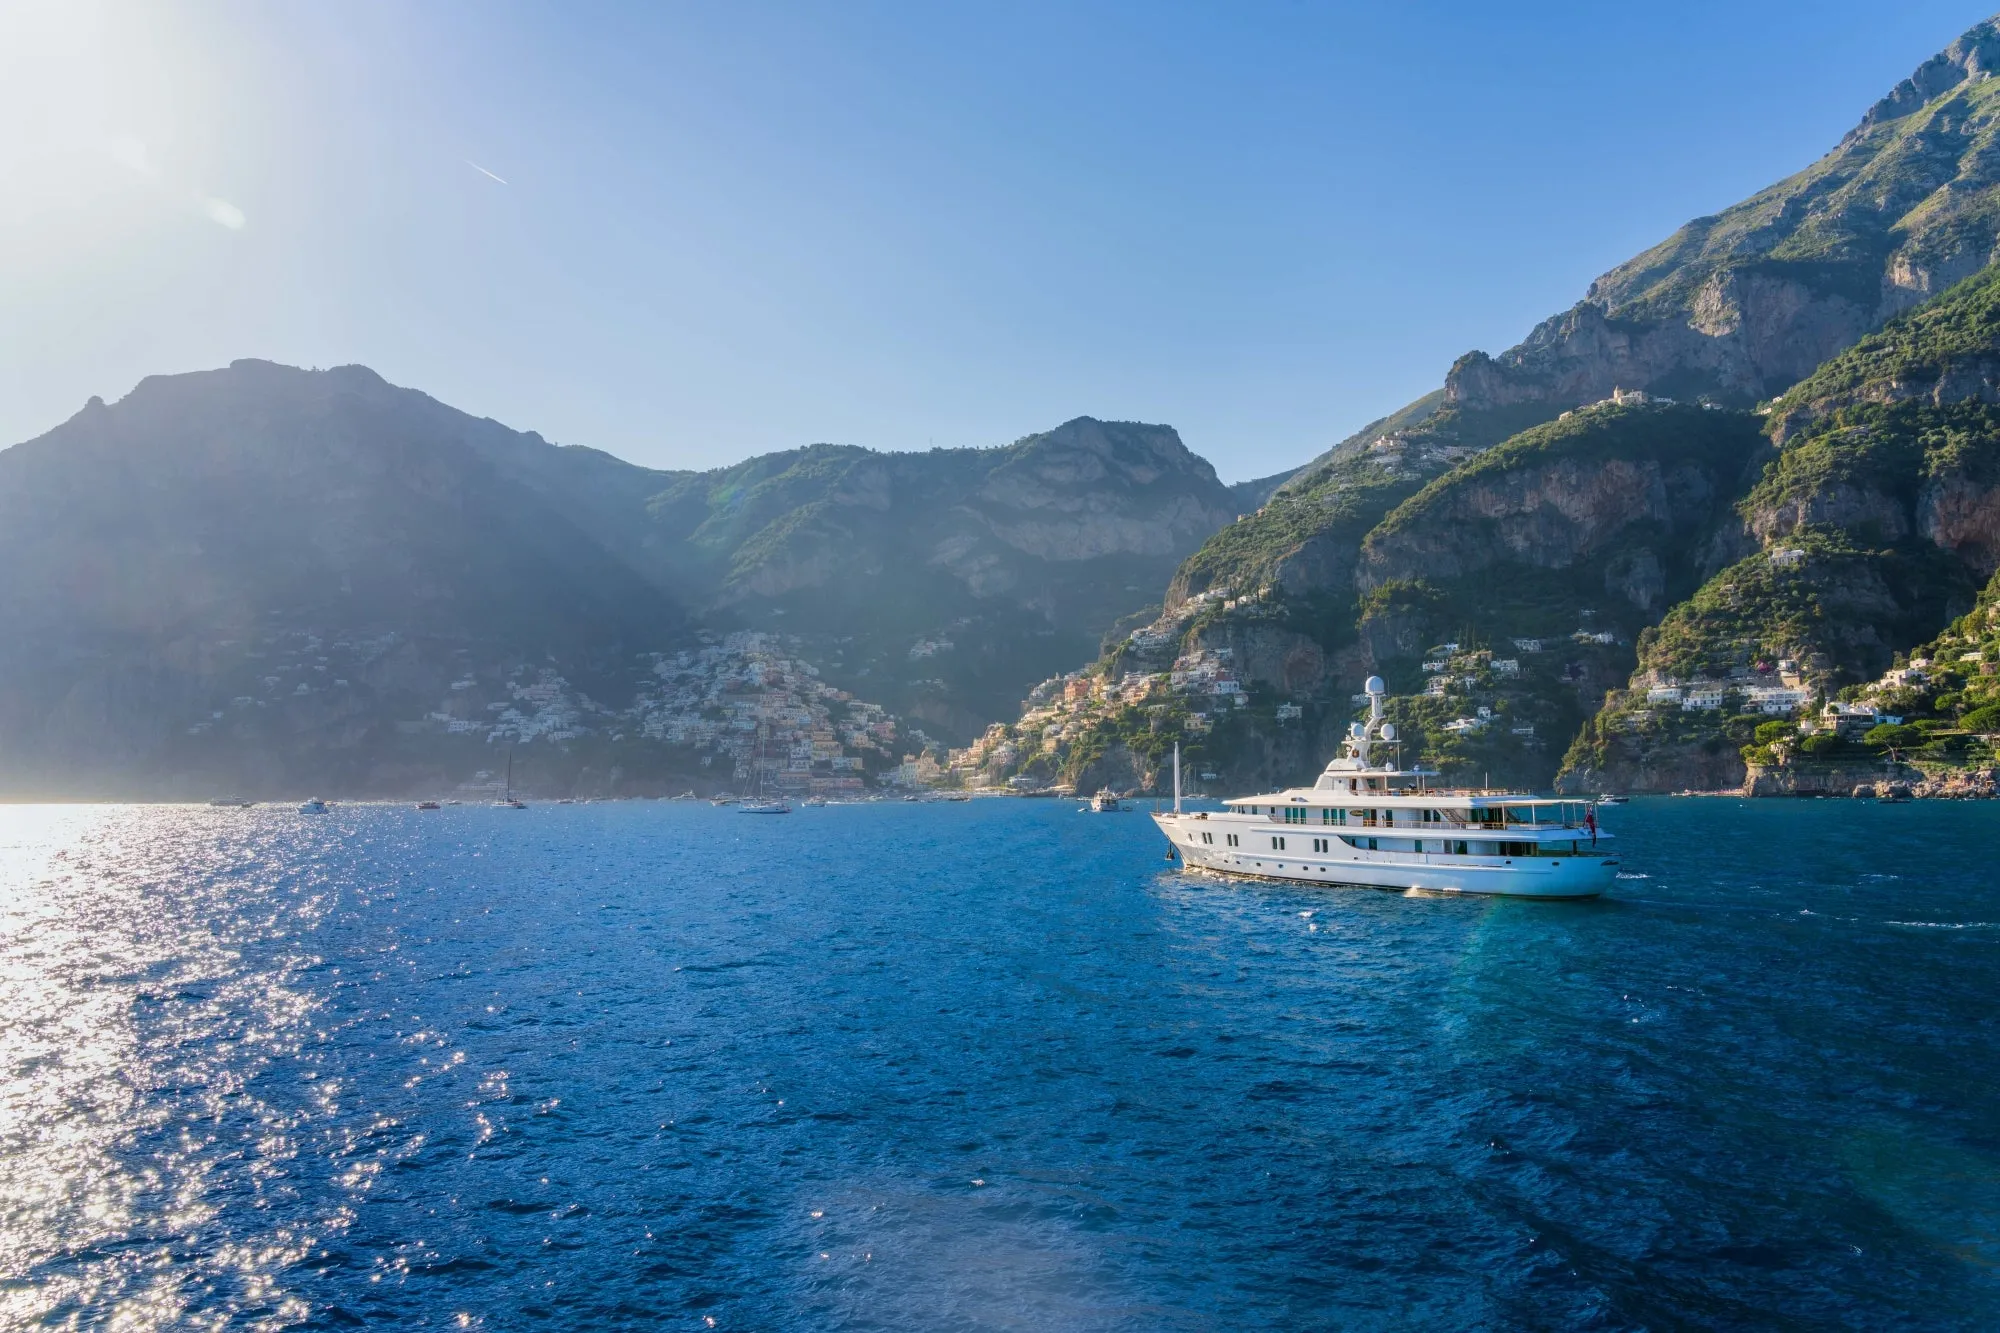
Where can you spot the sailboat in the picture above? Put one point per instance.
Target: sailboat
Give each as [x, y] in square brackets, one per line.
[508, 799]
[760, 804]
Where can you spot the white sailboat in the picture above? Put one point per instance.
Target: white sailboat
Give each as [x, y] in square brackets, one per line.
[760, 804]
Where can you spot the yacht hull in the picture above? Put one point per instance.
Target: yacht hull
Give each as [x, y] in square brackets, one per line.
[1554, 877]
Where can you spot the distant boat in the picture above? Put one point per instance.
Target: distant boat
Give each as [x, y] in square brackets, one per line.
[1104, 803]
[427, 805]
[814, 801]
[508, 798]
[313, 807]
[1609, 799]
[761, 804]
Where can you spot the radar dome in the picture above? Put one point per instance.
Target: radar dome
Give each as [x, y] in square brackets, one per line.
[1374, 685]
[1388, 731]
[1354, 730]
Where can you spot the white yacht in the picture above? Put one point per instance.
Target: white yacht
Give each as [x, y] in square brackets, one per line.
[1374, 824]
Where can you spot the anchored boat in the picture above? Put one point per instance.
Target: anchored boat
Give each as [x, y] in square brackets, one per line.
[1374, 824]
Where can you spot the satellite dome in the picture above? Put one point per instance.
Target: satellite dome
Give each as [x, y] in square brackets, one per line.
[1354, 730]
[1374, 685]
[1388, 731]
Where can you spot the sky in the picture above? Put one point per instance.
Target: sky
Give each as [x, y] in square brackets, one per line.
[689, 233]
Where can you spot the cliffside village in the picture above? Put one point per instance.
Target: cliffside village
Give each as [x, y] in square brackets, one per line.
[744, 704]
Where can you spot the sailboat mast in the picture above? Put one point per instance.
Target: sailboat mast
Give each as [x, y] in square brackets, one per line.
[1177, 777]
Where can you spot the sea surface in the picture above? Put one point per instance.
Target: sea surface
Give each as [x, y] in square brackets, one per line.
[993, 1065]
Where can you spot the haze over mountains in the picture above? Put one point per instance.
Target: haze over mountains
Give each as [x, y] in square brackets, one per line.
[265, 577]
[160, 556]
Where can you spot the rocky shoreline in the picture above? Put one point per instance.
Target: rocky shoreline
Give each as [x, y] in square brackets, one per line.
[1882, 781]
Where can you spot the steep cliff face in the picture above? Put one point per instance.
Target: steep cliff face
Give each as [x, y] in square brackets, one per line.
[1517, 583]
[1875, 524]
[1730, 310]
[1645, 482]
[1739, 306]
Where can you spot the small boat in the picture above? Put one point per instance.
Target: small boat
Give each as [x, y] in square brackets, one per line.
[507, 797]
[1609, 799]
[313, 807]
[723, 800]
[1104, 803]
[814, 801]
[427, 805]
[764, 808]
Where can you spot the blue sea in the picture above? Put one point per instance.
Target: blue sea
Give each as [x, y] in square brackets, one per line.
[993, 1065]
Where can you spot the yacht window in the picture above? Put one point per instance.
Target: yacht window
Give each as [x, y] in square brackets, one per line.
[1460, 847]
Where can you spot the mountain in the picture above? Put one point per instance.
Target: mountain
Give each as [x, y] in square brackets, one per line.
[172, 560]
[213, 536]
[1249, 495]
[1737, 307]
[1606, 520]
[941, 583]
[1876, 523]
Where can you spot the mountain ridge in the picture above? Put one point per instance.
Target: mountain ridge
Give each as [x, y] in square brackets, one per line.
[159, 548]
[1729, 312]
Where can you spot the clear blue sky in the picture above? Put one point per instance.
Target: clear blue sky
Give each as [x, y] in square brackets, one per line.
[729, 228]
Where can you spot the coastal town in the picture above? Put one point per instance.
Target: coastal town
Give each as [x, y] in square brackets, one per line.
[744, 711]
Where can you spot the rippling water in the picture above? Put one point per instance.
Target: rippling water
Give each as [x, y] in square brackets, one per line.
[985, 1066]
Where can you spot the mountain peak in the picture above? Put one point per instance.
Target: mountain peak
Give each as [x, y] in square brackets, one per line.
[1974, 56]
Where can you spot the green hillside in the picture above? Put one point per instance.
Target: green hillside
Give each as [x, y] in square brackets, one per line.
[1877, 522]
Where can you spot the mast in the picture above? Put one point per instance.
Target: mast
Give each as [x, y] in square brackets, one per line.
[1177, 777]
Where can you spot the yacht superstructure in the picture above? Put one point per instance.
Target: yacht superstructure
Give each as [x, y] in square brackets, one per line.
[1372, 823]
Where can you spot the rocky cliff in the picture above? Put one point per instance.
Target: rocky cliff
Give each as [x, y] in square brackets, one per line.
[1870, 528]
[1731, 309]
[1739, 306]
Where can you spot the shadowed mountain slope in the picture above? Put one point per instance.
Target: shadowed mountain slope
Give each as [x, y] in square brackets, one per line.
[152, 552]
[159, 554]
